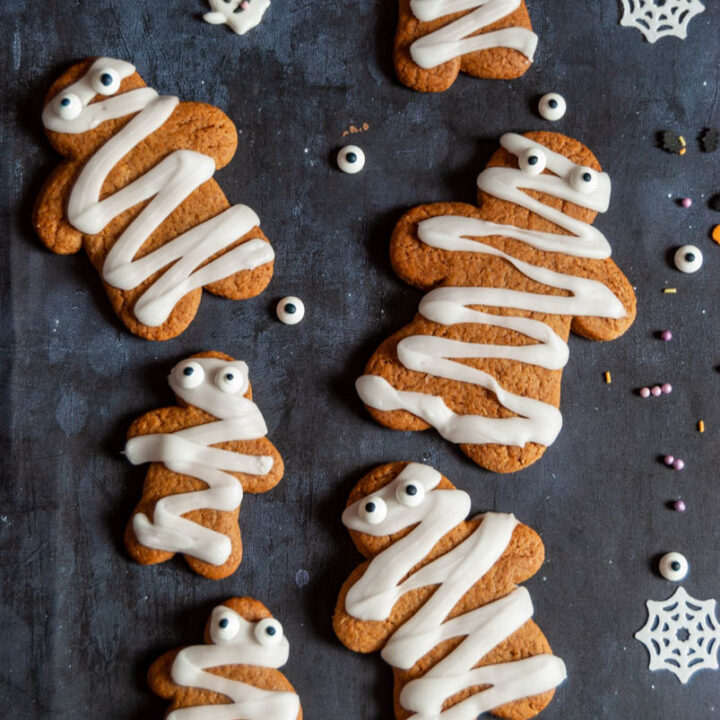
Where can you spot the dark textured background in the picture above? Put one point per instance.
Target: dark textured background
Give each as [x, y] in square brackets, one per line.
[80, 623]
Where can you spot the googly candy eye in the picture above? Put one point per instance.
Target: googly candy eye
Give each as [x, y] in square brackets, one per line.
[673, 566]
[290, 310]
[584, 179]
[532, 161]
[106, 81]
[552, 106]
[351, 159]
[688, 259]
[230, 380]
[189, 375]
[268, 632]
[225, 625]
[410, 493]
[68, 106]
[373, 510]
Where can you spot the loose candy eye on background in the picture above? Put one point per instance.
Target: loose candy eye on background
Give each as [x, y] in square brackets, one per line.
[688, 259]
[351, 159]
[673, 566]
[552, 106]
[290, 310]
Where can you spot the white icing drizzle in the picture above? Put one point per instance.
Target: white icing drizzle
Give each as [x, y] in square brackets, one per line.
[239, 15]
[457, 38]
[241, 648]
[189, 452]
[386, 579]
[534, 421]
[167, 185]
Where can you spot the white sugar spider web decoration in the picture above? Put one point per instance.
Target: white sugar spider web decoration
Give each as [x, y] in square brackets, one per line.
[682, 635]
[659, 18]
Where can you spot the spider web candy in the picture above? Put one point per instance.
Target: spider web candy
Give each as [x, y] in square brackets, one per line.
[710, 139]
[682, 635]
[656, 20]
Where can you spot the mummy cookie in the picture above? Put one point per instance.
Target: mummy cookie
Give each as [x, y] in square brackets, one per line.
[136, 191]
[234, 674]
[204, 454]
[432, 575]
[482, 360]
[437, 39]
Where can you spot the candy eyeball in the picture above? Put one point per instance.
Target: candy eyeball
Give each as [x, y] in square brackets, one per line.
[224, 626]
[410, 493]
[688, 259]
[268, 632]
[532, 161]
[189, 374]
[351, 159]
[673, 566]
[231, 380]
[584, 179]
[552, 106]
[290, 310]
[106, 81]
[373, 510]
[68, 106]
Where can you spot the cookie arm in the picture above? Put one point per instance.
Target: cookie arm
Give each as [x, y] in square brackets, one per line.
[159, 675]
[165, 420]
[595, 328]
[49, 218]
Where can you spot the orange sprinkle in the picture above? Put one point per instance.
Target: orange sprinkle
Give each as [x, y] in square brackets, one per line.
[608, 378]
[716, 234]
[701, 426]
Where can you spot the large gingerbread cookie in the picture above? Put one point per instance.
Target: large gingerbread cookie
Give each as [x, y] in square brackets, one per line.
[438, 596]
[136, 191]
[235, 674]
[482, 360]
[437, 39]
[204, 453]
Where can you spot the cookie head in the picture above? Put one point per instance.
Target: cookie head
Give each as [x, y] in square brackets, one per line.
[217, 385]
[90, 102]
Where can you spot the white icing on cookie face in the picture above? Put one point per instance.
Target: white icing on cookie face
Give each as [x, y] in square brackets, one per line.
[235, 641]
[239, 15]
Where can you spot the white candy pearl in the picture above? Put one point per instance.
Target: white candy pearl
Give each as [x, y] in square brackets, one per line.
[290, 310]
[351, 159]
[552, 106]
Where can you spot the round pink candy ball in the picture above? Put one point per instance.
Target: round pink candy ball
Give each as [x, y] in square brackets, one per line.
[666, 335]
[669, 460]
[678, 464]
[679, 506]
[686, 202]
[645, 392]
[656, 390]
[666, 388]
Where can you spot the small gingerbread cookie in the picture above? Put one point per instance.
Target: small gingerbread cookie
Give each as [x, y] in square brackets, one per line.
[437, 39]
[438, 597]
[204, 453]
[136, 192]
[234, 675]
[482, 360]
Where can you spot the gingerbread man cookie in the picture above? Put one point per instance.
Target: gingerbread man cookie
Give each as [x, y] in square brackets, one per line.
[437, 39]
[234, 675]
[438, 597]
[136, 191]
[482, 360]
[204, 453]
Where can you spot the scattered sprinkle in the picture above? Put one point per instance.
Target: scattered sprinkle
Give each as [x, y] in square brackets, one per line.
[666, 335]
[686, 202]
[645, 392]
[670, 291]
[701, 426]
[716, 234]
[608, 377]
[679, 506]
[669, 460]
[666, 388]
[678, 464]
[656, 391]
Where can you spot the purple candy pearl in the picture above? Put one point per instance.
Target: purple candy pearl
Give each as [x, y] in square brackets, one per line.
[668, 460]
[666, 388]
[678, 464]
[656, 390]
[666, 335]
[686, 202]
[679, 506]
[645, 392]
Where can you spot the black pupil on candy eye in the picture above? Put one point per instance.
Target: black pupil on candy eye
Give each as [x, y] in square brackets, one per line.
[690, 257]
[290, 309]
[351, 157]
[224, 623]
[65, 102]
[229, 377]
[106, 79]
[587, 177]
[370, 507]
[188, 371]
[533, 160]
[552, 103]
[411, 490]
[675, 565]
[270, 630]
